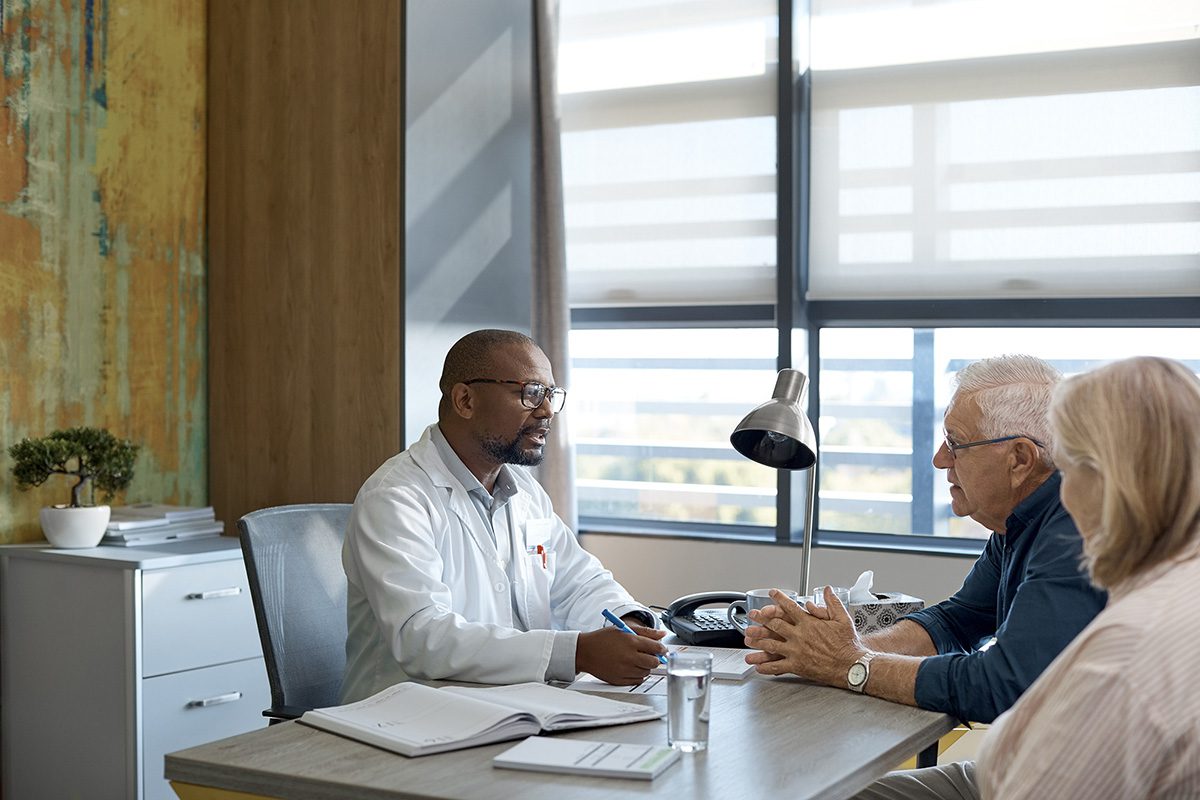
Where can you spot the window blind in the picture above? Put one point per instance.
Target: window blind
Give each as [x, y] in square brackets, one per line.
[668, 119]
[1004, 149]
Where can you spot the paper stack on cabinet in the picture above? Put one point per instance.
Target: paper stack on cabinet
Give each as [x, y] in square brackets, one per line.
[583, 757]
[416, 720]
[154, 523]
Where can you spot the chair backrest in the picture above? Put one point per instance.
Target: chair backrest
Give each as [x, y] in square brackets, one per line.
[294, 563]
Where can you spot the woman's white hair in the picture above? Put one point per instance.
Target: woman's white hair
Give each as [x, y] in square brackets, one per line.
[1013, 393]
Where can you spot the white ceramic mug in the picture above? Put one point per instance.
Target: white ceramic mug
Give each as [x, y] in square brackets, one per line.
[739, 610]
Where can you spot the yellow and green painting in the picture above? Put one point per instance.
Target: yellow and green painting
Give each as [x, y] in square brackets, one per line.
[102, 239]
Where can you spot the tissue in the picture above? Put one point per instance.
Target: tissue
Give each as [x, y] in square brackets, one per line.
[873, 611]
[860, 592]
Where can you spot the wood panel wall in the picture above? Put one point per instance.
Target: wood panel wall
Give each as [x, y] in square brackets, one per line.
[305, 248]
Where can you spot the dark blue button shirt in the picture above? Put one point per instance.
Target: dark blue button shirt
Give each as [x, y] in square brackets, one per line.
[1029, 591]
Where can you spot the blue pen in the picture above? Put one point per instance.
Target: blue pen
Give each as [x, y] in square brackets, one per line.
[621, 626]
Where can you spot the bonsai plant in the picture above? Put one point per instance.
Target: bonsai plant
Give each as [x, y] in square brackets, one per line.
[96, 458]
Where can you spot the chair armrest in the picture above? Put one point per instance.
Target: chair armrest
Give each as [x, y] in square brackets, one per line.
[281, 713]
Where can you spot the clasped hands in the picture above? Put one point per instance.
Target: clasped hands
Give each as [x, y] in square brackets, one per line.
[815, 642]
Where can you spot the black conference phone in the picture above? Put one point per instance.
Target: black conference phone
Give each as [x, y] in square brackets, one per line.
[694, 625]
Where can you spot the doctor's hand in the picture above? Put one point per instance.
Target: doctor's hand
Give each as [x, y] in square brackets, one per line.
[814, 642]
[615, 657]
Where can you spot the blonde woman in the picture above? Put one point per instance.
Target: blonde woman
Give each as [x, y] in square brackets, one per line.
[1117, 714]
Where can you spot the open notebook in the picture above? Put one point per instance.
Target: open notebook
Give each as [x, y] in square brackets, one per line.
[415, 720]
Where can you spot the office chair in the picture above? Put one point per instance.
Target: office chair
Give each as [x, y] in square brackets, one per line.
[294, 563]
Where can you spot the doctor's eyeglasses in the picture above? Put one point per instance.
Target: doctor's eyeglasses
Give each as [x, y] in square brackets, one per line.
[533, 394]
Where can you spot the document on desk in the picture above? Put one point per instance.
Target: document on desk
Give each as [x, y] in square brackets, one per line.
[582, 757]
[655, 684]
[728, 663]
[413, 720]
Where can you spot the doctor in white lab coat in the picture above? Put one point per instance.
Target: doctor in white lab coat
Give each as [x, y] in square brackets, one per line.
[458, 567]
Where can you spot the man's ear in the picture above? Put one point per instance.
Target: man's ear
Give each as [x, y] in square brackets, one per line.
[1023, 460]
[462, 400]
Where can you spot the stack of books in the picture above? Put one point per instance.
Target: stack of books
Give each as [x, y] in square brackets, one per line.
[155, 523]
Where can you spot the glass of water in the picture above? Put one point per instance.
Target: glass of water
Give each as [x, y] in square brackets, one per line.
[689, 681]
[841, 593]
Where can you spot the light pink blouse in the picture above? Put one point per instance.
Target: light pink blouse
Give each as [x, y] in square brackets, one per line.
[1117, 714]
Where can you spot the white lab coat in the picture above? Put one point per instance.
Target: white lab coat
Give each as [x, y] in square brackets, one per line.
[428, 597]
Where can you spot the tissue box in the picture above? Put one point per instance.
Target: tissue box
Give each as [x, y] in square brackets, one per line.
[889, 607]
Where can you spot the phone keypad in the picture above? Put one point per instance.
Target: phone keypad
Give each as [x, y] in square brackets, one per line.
[709, 620]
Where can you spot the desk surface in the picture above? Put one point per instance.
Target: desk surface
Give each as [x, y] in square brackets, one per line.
[777, 736]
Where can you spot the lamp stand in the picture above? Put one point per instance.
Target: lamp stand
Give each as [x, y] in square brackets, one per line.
[810, 499]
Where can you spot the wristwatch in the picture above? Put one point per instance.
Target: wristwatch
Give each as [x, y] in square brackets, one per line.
[856, 676]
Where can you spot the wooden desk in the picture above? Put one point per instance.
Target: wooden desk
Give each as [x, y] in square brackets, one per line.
[768, 737]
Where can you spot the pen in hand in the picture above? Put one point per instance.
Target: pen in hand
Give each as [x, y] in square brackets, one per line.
[621, 626]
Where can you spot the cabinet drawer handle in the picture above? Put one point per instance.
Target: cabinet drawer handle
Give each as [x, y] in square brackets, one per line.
[211, 593]
[220, 699]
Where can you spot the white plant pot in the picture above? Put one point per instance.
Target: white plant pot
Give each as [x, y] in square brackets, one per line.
[75, 527]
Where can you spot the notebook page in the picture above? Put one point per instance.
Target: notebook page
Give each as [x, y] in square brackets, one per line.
[414, 715]
[558, 708]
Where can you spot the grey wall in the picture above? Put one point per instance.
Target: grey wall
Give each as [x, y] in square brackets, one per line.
[656, 571]
[468, 125]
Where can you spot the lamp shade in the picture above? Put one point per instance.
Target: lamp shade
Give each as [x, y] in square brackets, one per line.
[778, 433]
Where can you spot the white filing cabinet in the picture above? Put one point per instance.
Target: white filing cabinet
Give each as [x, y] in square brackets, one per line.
[114, 656]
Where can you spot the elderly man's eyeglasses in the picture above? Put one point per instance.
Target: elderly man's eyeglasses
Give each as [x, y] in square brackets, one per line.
[954, 447]
[533, 394]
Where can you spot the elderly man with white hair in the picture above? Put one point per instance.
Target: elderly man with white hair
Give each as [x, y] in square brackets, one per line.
[1028, 590]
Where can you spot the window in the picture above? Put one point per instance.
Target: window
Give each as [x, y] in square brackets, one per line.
[668, 118]
[970, 153]
[653, 414]
[669, 165]
[974, 185]
[884, 392]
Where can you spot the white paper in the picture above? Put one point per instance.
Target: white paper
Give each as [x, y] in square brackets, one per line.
[608, 759]
[655, 684]
[728, 663]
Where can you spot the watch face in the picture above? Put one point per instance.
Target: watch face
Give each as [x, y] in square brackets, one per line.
[857, 674]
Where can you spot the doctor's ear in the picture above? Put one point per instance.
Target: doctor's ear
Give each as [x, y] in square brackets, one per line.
[462, 400]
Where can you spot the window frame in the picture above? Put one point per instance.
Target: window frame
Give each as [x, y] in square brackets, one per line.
[792, 313]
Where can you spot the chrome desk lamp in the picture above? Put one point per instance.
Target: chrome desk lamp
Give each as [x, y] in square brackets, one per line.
[779, 434]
